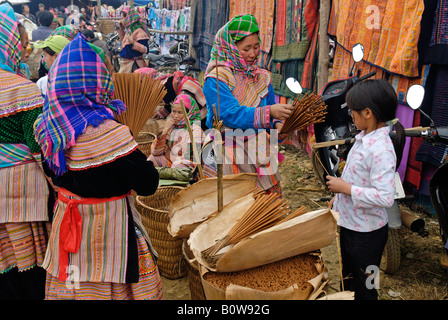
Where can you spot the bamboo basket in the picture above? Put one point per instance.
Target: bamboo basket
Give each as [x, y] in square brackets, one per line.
[155, 219]
[144, 141]
[106, 26]
[151, 126]
[193, 273]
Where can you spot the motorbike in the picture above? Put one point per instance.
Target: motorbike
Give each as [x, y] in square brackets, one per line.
[177, 59]
[438, 188]
[114, 45]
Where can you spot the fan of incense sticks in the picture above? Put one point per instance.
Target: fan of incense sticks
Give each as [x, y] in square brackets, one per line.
[267, 211]
[308, 109]
[141, 95]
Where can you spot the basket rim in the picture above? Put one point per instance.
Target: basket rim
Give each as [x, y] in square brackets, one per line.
[138, 197]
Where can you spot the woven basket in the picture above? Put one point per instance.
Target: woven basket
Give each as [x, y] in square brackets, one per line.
[106, 26]
[153, 210]
[194, 277]
[144, 141]
[151, 126]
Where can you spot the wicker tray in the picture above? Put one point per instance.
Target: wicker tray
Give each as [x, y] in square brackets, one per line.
[171, 262]
[144, 141]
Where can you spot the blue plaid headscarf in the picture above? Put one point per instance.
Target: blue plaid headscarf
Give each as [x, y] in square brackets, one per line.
[80, 92]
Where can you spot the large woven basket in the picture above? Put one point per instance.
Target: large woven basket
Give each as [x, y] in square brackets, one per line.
[153, 210]
[194, 277]
[144, 141]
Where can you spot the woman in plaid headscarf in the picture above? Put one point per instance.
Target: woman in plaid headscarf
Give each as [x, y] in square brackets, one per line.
[97, 239]
[246, 100]
[24, 191]
[134, 43]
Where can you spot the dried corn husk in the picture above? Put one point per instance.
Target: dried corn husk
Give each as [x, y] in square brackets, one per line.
[196, 203]
[305, 233]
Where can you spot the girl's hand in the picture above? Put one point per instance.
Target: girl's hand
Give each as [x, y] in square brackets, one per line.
[337, 185]
[281, 111]
[330, 204]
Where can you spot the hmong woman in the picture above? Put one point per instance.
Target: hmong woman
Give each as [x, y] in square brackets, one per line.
[97, 240]
[172, 147]
[25, 196]
[246, 101]
[177, 84]
[134, 43]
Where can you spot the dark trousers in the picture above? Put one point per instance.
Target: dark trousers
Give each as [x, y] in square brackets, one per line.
[361, 256]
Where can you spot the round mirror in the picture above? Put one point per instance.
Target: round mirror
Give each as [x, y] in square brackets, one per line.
[415, 95]
[294, 85]
[358, 52]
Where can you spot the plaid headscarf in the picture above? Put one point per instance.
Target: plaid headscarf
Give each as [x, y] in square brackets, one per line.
[225, 47]
[10, 44]
[65, 31]
[133, 21]
[193, 112]
[80, 92]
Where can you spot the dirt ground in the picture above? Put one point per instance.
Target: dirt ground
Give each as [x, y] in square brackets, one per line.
[419, 277]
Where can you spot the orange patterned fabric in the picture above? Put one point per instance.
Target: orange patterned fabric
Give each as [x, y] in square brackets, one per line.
[264, 13]
[392, 43]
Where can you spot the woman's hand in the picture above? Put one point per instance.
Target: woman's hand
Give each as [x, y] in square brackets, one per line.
[281, 136]
[129, 38]
[168, 125]
[337, 185]
[281, 111]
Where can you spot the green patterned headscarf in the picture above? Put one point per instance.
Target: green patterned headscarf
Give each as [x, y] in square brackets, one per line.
[241, 26]
[134, 21]
[225, 52]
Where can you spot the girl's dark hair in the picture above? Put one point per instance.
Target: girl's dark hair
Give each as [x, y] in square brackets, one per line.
[49, 51]
[380, 97]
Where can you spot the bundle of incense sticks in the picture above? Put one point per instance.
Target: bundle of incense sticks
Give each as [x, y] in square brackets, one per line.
[308, 109]
[267, 211]
[141, 95]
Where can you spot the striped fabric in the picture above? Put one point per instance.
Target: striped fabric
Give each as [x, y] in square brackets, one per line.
[170, 150]
[80, 92]
[149, 286]
[97, 146]
[23, 193]
[23, 245]
[17, 94]
[102, 254]
[12, 154]
[240, 158]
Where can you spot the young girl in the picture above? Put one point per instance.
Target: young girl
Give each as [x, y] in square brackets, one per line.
[367, 186]
[172, 148]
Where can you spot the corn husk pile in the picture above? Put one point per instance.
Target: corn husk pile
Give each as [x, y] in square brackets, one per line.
[265, 212]
[252, 230]
[308, 109]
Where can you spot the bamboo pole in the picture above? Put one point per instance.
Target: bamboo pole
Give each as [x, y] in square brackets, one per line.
[219, 164]
[190, 131]
[324, 45]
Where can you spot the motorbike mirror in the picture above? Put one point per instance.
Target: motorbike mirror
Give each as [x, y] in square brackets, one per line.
[294, 85]
[358, 52]
[414, 96]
